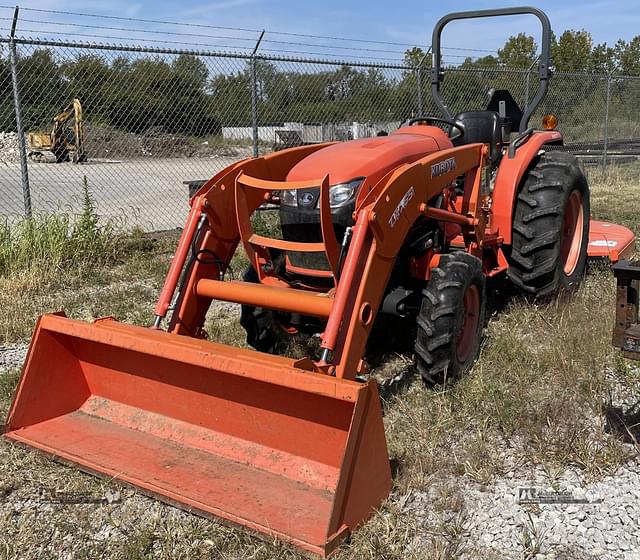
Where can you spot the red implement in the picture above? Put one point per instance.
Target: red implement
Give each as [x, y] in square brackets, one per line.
[610, 241]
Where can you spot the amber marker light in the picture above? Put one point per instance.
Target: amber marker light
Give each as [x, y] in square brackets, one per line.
[549, 122]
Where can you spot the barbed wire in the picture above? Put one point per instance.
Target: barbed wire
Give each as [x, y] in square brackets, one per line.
[269, 40]
[244, 52]
[43, 42]
[199, 35]
[208, 26]
[393, 65]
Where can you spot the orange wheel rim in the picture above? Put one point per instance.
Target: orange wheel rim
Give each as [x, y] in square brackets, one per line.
[467, 336]
[572, 227]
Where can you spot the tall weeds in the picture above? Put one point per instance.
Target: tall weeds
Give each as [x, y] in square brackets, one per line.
[59, 241]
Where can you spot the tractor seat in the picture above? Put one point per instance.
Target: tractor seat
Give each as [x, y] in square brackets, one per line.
[481, 126]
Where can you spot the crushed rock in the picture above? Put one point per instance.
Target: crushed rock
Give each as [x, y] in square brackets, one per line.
[9, 150]
[12, 356]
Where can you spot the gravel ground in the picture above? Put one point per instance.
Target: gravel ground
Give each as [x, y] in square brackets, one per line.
[12, 356]
[148, 193]
[9, 152]
[495, 525]
[497, 522]
[491, 521]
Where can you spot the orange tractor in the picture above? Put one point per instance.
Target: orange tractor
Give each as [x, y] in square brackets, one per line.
[410, 224]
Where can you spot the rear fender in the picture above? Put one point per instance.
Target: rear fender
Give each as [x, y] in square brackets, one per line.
[510, 174]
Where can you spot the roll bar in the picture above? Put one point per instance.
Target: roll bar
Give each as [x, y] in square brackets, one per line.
[544, 65]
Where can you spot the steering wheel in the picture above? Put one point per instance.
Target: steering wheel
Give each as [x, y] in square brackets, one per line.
[429, 120]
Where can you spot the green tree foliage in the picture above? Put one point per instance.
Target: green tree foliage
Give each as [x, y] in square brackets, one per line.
[488, 61]
[572, 52]
[518, 52]
[602, 59]
[415, 57]
[628, 56]
[41, 86]
[129, 95]
[7, 118]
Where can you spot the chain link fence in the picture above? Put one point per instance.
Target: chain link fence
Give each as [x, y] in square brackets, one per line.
[155, 119]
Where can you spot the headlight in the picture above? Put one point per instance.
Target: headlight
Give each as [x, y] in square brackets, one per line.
[341, 194]
[289, 198]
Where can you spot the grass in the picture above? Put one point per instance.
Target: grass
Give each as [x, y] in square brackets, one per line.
[537, 389]
[55, 242]
[50, 264]
[534, 400]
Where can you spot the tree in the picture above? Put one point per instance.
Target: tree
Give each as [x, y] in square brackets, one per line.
[488, 61]
[572, 52]
[191, 69]
[415, 57]
[231, 96]
[518, 52]
[43, 89]
[602, 59]
[628, 56]
[88, 78]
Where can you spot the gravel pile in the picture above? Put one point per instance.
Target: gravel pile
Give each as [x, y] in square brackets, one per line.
[9, 152]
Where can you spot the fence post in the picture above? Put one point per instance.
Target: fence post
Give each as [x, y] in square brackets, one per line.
[419, 86]
[22, 147]
[254, 95]
[527, 82]
[605, 147]
[419, 82]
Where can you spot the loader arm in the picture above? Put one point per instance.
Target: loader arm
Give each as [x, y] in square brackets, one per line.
[218, 238]
[382, 222]
[71, 118]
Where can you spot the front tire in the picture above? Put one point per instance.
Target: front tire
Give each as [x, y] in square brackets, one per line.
[550, 227]
[451, 318]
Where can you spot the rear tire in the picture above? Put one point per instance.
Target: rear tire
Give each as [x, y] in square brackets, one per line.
[550, 227]
[451, 318]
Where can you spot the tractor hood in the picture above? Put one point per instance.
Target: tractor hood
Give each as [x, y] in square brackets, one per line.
[370, 157]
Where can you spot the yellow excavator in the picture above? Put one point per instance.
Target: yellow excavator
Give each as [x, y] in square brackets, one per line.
[66, 139]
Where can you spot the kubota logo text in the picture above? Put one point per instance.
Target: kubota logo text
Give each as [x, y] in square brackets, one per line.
[443, 167]
[401, 206]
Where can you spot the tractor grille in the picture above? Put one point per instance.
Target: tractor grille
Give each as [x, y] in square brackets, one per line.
[308, 233]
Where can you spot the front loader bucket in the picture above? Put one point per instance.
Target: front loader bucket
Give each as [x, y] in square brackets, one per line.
[256, 439]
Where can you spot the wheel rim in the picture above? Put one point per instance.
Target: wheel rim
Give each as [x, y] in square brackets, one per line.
[572, 227]
[467, 336]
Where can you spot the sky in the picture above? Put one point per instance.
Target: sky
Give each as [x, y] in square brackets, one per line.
[408, 22]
